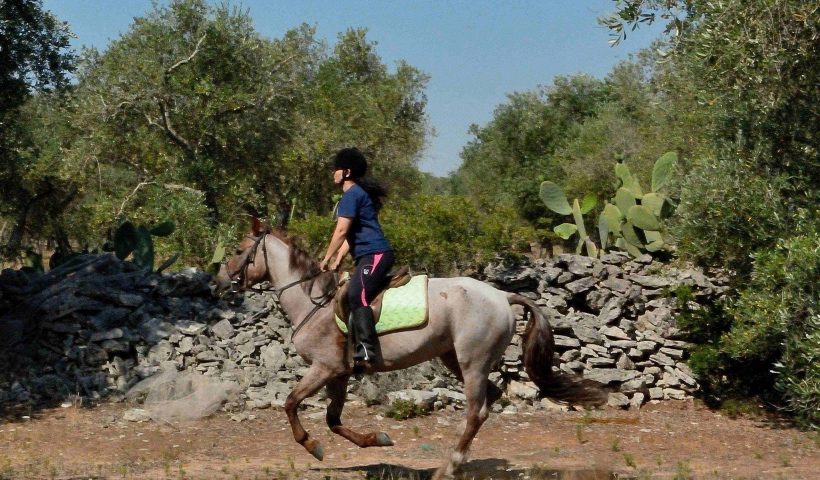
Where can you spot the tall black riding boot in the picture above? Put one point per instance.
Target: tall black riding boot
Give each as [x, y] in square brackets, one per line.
[366, 338]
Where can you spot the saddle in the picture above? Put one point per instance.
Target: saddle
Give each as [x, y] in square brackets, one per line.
[341, 307]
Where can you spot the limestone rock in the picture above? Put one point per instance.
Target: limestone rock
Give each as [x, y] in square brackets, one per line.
[618, 400]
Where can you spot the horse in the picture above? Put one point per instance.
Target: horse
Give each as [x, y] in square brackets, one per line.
[469, 326]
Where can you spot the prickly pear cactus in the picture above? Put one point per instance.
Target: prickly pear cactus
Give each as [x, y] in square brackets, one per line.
[634, 217]
[554, 198]
[138, 242]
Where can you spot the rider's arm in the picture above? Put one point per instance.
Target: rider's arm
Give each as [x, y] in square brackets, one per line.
[340, 255]
[337, 240]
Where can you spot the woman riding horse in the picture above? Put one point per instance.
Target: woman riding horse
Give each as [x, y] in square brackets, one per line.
[359, 232]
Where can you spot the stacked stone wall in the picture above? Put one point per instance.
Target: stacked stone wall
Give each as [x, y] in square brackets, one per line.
[96, 331]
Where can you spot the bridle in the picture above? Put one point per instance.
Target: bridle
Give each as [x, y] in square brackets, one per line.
[239, 281]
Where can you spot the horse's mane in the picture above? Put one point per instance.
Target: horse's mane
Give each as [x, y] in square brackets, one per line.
[303, 262]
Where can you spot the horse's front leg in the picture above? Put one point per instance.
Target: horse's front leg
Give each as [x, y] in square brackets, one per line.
[315, 378]
[337, 392]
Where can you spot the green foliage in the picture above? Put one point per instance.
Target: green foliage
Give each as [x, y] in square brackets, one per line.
[509, 157]
[728, 210]
[634, 217]
[35, 53]
[776, 321]
[191, 115]
[554, 198]
[766, 340]
[138, 241]
[34, 59]
[405, 409]
[432, 233]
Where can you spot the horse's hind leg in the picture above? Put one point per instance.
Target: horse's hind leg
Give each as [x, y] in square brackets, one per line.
[337, 392]
[475, 389]
[450, 360]
[315, 378]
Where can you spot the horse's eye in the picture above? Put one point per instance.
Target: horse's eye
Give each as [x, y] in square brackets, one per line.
[238, 251]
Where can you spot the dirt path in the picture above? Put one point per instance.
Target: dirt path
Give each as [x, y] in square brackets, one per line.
[670, 440]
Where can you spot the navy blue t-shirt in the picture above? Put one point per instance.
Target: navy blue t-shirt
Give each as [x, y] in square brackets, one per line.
[365, 235]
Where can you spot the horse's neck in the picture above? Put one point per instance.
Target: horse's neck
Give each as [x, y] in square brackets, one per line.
[295, 300]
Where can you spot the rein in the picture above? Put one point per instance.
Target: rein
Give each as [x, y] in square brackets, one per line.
[318, 302]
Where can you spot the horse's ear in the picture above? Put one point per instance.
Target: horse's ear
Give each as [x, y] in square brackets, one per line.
[257, 227]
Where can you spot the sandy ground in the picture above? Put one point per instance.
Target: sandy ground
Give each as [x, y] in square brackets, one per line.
[669, 440]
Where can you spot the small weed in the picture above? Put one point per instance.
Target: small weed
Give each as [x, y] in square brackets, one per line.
[579, 434]
[682, 471]
[539, 471]
[426, 447]
[759, 456]
[291, 464]
[786, 462]
[629, 459]
[181, 473]
[734, 408]
[658, 461]
[504, 402]
[267, 471]
[123, 470]
[615, 446]
[404, 409]
[225, 469]
[557, 450]
[416, 431]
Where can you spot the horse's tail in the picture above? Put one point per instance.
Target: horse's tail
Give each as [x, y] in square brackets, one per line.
[539, 346]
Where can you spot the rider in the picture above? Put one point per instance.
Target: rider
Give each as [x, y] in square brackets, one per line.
[359, 232]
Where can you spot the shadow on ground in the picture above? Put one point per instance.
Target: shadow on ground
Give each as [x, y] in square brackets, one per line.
[487, 468]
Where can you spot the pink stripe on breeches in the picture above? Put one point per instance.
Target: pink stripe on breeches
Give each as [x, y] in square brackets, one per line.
[376, 259]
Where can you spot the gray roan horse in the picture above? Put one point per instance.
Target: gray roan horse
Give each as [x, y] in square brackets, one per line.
[469, 326]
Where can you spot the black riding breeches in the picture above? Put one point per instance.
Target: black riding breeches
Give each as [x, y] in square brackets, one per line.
[369, 278]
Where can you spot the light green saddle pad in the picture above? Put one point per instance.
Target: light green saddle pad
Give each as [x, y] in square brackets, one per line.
[402, 308]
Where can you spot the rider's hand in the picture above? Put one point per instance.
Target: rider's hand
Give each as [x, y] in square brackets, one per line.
[323, 266]
[335, 265]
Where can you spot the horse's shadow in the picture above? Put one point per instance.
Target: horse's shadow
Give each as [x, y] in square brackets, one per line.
[486, 468]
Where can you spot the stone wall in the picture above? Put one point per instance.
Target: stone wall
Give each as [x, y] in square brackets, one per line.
[613, 320]
[97, 331]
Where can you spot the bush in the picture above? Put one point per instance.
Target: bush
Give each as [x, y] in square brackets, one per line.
[405, 409]
[727, 211]
[767, 340]
[776, 322]
[437, 234]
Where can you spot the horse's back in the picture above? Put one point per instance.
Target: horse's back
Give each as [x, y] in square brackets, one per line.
[463, 314]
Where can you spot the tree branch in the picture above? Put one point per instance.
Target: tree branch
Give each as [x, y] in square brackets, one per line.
[176, 187]
[168, 128]
[184, 61]
[128, 197]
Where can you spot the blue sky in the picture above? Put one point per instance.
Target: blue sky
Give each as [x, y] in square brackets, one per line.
[476, 52]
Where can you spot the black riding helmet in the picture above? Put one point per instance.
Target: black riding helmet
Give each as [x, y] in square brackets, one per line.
[351, 159]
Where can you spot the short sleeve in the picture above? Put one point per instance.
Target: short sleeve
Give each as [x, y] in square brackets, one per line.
[348, 206]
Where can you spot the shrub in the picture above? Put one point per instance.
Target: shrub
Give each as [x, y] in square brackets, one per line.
[726, 211]
[405, 409]
[776, 321]
[434, 233]
[765, 341]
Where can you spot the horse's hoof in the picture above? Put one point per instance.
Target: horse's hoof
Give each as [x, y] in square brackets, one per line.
[383, 440]
[318, 452]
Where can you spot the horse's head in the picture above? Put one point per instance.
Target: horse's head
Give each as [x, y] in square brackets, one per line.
[247, 266]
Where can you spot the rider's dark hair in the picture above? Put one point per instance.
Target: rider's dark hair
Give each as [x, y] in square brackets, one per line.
[352, 159]
[375, 190]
